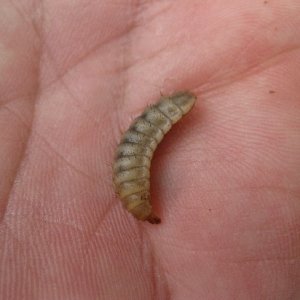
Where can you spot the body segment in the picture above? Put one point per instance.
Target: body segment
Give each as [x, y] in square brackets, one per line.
[133, 155]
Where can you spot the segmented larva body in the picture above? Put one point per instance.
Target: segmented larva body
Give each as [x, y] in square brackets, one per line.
[133, 156]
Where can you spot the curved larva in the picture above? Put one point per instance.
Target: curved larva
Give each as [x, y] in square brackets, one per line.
[133, 155]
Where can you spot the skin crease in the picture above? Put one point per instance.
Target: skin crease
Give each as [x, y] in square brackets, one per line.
[225, 181]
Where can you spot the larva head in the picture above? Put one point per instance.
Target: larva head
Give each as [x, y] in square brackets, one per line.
[184, 100]
[139, 205]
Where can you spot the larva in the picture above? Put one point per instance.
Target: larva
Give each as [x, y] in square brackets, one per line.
[131, 169]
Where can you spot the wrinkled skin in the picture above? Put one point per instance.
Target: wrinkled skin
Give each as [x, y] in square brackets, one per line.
[225, 181]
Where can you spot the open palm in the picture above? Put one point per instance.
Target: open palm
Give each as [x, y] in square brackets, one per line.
[225, 181]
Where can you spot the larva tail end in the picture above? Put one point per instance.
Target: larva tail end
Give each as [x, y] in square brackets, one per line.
[153, 219]
[185, 100]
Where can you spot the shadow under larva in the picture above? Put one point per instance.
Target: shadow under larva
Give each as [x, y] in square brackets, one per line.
[131, 168]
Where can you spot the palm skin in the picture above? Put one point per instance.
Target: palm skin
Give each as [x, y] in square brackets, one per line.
[225, 181]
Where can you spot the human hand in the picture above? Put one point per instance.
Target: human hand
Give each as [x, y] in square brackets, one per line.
[225, 180]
